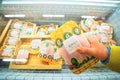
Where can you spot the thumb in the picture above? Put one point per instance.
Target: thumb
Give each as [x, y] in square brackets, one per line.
[85, 50]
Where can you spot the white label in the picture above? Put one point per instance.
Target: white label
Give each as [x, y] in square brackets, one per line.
[104, 40]
[56, 56]
[71, 44]
[106, 27]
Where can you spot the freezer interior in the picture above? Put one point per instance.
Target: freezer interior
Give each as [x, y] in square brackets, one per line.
[54, 12]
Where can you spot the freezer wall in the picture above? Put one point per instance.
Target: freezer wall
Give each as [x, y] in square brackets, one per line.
[115, 20]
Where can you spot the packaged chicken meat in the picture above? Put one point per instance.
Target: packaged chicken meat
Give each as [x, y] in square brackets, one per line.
[14, 33]
[17, 25]
[95, 26]
[26, 30]
[48, 52]
[22, 56]
[100, 36]
[35, 46]
[89, 22]
[11, 41]
[51, 28]
[68, 37]
[108, 29]
[84, 26]
[8, 51]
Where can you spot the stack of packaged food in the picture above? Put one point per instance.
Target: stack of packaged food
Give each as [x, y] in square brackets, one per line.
[67, 38]
[103, 31]
[49, 53]
[11, 39]
[16, 29]
[45, 29]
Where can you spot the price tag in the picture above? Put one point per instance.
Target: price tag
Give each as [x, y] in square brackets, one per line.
[71, 44]
[106, 27]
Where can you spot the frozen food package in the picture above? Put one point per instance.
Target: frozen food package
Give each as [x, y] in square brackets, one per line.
[27, 30]
[108, 29]
[22, 56]
[35, 46]
[84, 26]
[48, 52]
[8, 51]
[95, 26]
[14, 33]
[51, 28]
[12, 41]
[17, 25]
[41, 31]
[67, 38]
[100, 36]
[89, 22]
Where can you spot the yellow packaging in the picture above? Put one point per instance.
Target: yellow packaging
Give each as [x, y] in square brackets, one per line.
[64, 32]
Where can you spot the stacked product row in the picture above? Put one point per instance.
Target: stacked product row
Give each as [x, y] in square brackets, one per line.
[19, 48]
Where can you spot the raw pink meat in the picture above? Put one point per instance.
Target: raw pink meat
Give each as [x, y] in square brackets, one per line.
[67, 57]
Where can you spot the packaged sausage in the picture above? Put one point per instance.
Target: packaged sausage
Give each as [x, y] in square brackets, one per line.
[67, 38]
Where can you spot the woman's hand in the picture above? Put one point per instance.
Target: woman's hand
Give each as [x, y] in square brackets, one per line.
[96, 49]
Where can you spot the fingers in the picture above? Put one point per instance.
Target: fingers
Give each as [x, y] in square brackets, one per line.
[93, 40]
[85, 50]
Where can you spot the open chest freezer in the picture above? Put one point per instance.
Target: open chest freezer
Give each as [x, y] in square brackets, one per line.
[36, 17]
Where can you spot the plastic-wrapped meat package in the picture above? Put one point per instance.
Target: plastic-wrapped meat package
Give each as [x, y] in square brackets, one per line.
[48, 52]
[89, 22]
[22, 56]
[67, 38]
[12, 41]
[14, 33]
[102, 37]
[95, 26]
[67, 54]
[35, 46]
[8, 51]
[84, 27]
[107, 28]
[76, 62]
[17, 25]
